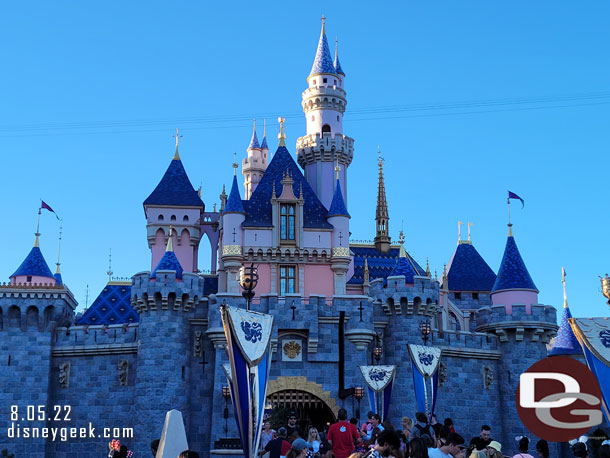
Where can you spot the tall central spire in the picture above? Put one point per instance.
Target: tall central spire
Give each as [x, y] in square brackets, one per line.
[382, 239]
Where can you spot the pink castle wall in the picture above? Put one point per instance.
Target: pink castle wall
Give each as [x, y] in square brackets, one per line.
[508, 298]
[319, 279]
[264, 280]
[35, 279]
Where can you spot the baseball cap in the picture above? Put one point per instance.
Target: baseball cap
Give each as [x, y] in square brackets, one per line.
[299, 444]
[495, 445]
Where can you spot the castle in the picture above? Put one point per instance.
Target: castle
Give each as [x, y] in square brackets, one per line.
[156, 343]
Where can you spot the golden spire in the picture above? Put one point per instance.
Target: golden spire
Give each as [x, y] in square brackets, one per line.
[264, 127]
[170, 245]
[469, 226]
[177, 137]
[337, 167]
[366, 270]
[460, 232]
[382, 217]
[563, 281]
[428, 274]
[61, 223]
[510, 225]
[401, 240]
[235, 166]
[323, 23]
[281, 136]
[37, 234]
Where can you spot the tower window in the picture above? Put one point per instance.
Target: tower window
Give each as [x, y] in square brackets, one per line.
[172, 218]
[325, 79]
[287, 214]
[287, 279]
[475, 296]
[160, 218]
[335, 82]
[29, 278]
[337, 117]
[325, 128]
[458, 296]
[185, 219]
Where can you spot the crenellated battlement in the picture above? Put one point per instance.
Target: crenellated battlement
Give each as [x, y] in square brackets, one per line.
[395, 296]
[166, 291]
[87, 340]
[539, 320]
[325, 147]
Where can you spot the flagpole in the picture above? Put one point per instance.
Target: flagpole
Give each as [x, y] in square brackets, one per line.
[61, 225]
[510, 230]
[565, 296]
[38, 226]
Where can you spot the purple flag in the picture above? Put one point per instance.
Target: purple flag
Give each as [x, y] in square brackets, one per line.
[512, 195]
[47, 207]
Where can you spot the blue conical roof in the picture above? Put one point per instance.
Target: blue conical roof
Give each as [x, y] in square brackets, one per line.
[175, 189]
[468, 271]
[337, 64]
[254, 141]
[337, 206]
[34, 264]
[512, 273]
[323, 62]
[404, 267]
[264, 143]
[234, 203]
[58, 279]
[566, 342]
[169, 261]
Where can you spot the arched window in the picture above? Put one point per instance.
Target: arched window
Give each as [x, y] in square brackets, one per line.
[287, 217]
[185, 219]
[325, 128]
[160, 218]
[172, 218]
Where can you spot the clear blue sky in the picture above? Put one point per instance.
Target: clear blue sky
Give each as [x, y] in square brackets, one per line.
[466, 100]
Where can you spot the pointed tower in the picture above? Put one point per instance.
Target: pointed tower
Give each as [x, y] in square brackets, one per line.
[382, 217]
[513, 285]
[339, 218]
[324, 144]
[174, 202]
[255, 163]
[403, 264]
[169, 261]
[232, 236]
[34, 269]
[566, 342]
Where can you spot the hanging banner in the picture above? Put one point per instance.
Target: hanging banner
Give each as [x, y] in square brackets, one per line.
[248, 338]
[593, 334]
[424, 365]
[379, 379]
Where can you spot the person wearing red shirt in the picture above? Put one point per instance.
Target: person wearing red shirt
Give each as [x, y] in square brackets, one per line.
[342, 436]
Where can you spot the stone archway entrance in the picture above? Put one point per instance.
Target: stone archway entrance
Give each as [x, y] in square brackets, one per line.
[312, 404]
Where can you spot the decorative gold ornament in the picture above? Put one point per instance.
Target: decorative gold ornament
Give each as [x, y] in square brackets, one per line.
[292, 349]
[228, 250]
[341, 252]
[606, 287]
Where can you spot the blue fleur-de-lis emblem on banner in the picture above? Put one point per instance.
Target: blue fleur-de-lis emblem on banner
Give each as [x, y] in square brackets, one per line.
[604, 336]
[426, 358]
[252, 331]
[377, 375]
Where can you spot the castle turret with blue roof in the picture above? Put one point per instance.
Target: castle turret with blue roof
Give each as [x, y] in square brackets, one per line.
[324, 103]
[253, 166]
[565, 342]
[174, 202]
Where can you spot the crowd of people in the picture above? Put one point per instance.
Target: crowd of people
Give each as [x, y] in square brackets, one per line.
[374, 438]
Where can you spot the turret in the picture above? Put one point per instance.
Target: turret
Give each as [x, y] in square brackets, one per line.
[255, 164]
[382, 217]
[324, 144]
[174, 202]
[513, 285]
[404, 265]
[232, 235]
[34, 269]
[566, 342]
[339, 218]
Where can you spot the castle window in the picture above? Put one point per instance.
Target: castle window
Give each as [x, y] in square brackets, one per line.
[475, 296]
[325, 80]
[185, 219]
[287, 221]
[173, 218]
[335, 82]
[458, 296]
[160, 218]
[287, 279]
[29, 278]
[337, 117]
[325, 128]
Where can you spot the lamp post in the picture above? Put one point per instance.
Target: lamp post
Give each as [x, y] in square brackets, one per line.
[226, 393]
[358, 394]
[248, 278]
[377, 350]
[425, 329]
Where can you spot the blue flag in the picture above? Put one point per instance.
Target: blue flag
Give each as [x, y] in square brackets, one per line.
[512, 195]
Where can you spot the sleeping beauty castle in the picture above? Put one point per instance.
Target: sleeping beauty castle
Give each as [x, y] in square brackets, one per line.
[156, 343]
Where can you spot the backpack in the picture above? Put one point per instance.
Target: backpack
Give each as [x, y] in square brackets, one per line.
[424, 430]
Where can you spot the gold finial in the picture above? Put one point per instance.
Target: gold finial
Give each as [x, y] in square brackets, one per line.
[428, 274]
[177, 137]
[282, 135]
[235, 163]
[469, 226]
[264, 127]
[170, 245]
[37, 233]
[401, 240]
[214, 207]
[254, 125]
[337, 167]
[323, 23]
[366, 270]
[109, 265]
[459, 231]
[563, 281]
[273, 195]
